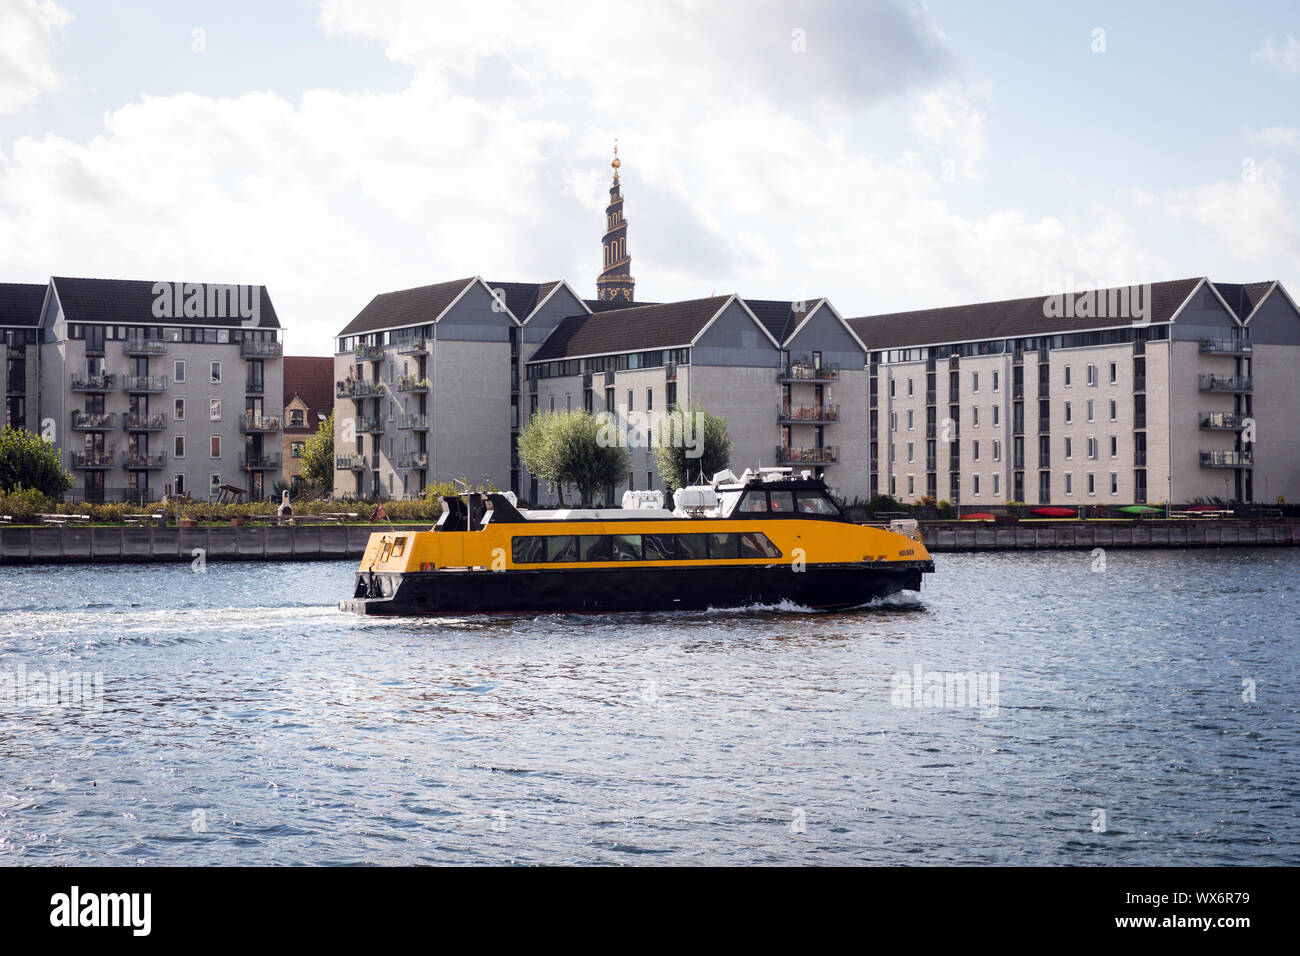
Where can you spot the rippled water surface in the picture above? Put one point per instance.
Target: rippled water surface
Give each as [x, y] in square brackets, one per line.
[244, 720]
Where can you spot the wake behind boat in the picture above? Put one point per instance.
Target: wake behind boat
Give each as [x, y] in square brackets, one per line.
[763, 538]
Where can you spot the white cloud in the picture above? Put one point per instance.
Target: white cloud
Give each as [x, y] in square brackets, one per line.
[1249, 218]
[1287, 60]
[949, 121]
[1276, 137]
[28, 32]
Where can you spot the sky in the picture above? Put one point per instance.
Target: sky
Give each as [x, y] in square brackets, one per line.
[888, 154]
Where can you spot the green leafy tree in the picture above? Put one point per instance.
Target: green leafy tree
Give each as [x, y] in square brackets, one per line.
[318, 455]
[572, 448]
[690, 443]
[28, 461]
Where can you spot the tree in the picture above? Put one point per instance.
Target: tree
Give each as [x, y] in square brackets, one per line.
[318, 455]
[29, 461]
[570, 448]
[691, 443]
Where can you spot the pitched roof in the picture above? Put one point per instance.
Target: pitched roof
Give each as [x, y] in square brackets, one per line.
[131, 302]
[779, 316]
[1009, 318]
[418, 306]
[311, 378]
[603, 305]
[522, 297]
[1241, 297]
[20, 303]
[643, 327]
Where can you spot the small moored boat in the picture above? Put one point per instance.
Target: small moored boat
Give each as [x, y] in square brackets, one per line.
[763, 538]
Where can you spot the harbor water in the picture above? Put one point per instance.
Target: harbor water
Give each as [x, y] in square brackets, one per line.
[1107, 707]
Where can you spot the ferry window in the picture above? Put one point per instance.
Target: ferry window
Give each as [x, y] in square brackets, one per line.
[755, 544]
[692, 547]
[595, 547]
[388, 549]
[399, 546]
[816, 505]
[728, 501]
[660, 547]
[782, 501]
[627, 547]
[724, 546]
[754, 502]
[530, 550]
[562, 547]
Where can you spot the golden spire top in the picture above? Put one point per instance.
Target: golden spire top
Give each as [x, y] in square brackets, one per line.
[617, 162]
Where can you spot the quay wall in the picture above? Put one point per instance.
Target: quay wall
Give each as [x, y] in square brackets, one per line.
[942, 536]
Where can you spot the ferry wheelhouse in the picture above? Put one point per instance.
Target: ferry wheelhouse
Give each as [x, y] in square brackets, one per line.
[764, 538]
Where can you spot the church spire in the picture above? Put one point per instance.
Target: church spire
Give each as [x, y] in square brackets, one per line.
[615, 282]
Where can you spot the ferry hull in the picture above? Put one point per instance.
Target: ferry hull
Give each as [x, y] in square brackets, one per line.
[613, 590]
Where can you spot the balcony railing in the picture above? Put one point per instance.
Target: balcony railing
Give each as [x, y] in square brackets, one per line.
[145, 423]
[354, 389]
[1228, 346]
[254, 386]
[92, 459]
[137, 459]
[828, 455]
[1225, 383]
[930, 396]
[1044, 424]
[249, 422]
[412, 459]
[144, 383]
[93, 421]
[1227, 459]
[349, 462]
[412, 421]
[1139, 383]
[260, 348]
[1140, 459]
[370, 425]
[1222, 420]
[931, 463]
[259, 462]
[807, 372]
[368, 353]
[1139, 419]
[413, 347]
[409, 383]
[808, 414]
[144, 347]
[94, 383]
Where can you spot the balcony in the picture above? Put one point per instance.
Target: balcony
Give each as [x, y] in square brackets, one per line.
[144, 383]
[254, 386]
[1140, 459]
[1044, 425]
[349, 462]
[1222, 421]
[265, 461]
[92, 459]
[370, 425]
[1139, 383]
[139, 459]
[409, 383]
[413, 421]
[412, 459]
[94, 383]
[249, 422]
[829, 455]
[670, 372]
[355, 389]
[1227, 459]
[368, 353]
[808, 414]
[145, 423]
[144, 347]
[931, 464]
[930, 396]
[93, 421]
[1225, 383]
[260, 348]
[413, 347]
[807, 372]
[1139, 420]
[1228, 346]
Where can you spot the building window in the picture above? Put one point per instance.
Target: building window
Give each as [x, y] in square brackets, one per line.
[650, 480]
[552, 403]
[1069, 483]
[178, 370]
[296, 449]
[1114, 482]
[975, 484]
[629, 399]
[974, 451]
[214, 485]
[893, 488]
[1091, 403]
[1114, 446]
[216, 373]
[215, 450]
[995, 383]
[1092, 448]
[995, 415]
[179, 410]
[631, 481]
[911, 420]
[996, 484]
[178, 446]
[911, 485]
[909, 388]
[1069, 449]
[1092, 483]
[997, 452]
[649, 399]
[1067, 413]
[1067, 376]
[975, 417]
[893, 421]
[974, 381]
[1114, 373]
[892, 455]
[214, 410]
[911, 452]
[296, 417]
[891, 388]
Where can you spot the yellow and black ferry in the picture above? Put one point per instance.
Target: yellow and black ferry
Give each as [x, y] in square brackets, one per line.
[763, 538]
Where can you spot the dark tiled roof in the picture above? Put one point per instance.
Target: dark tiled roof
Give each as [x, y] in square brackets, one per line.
[130, 302]
[20, 303]
[1010, 318]
[643, 327]
[311, 379]
[597, 305]
[406, 307]
[523, 297]
[779, 317]
[1243, 297]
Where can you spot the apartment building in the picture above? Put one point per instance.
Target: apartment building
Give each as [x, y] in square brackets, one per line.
[148, 385]
[308, 401]
[1138, 394]
[20, 319]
